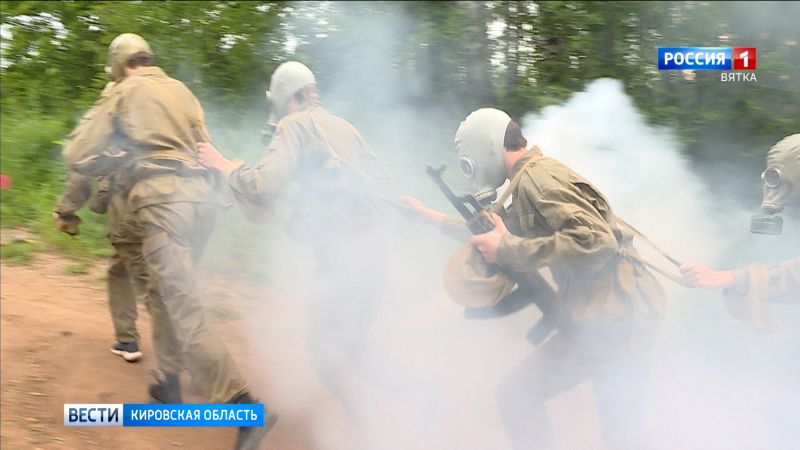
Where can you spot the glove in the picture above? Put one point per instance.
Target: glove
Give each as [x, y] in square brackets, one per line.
[67, 222]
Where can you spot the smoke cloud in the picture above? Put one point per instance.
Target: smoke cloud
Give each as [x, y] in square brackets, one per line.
[428, 375]
[716, 383]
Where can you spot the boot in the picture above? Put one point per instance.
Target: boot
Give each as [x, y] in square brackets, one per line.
[167, 390]
[249, 438]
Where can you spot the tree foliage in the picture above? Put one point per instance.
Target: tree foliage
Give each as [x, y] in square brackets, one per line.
[451, 56]
[54, 52]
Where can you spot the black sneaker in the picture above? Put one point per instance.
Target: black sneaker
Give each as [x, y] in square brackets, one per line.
[167, 390]
[249, 438]
[128, 350]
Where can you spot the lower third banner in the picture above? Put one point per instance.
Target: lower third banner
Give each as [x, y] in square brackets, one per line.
[151, 415]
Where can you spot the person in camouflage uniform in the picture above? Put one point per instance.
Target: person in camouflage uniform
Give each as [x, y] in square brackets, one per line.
[158, 121]
[748, 290]
[607, 305]
[122, 298]
[333, 212]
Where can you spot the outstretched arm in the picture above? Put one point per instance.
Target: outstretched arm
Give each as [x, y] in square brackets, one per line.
[703, 277]
[452, 226]
[261, 183]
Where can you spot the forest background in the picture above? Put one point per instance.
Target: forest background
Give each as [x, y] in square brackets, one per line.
[375, 61]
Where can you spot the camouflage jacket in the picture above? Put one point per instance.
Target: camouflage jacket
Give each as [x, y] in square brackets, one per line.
[757, 285]
[559, 220]
[158, 121]
[329, 161]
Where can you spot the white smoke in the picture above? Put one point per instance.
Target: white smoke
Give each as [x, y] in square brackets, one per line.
[601, 135]
[716, 384]
[430, 374]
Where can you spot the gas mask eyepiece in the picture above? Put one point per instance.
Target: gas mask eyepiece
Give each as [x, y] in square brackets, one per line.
[467, 167]
[771, 177]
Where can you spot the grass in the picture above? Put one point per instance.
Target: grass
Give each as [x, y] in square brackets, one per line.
[79, 268]
[30, 156]
[30, 153]
[19, 252]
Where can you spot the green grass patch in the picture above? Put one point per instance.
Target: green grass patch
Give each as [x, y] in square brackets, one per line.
[31, 156]
[79, 268]
[19, 252]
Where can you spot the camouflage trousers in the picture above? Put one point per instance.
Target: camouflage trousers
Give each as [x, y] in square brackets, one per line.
[343, 304]
[127, 287]
[558, 365]
[173, 238]
[122, 292]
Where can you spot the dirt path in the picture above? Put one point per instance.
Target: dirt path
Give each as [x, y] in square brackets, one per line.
[56, 333]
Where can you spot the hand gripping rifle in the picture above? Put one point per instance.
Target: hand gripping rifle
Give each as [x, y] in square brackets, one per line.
[479, 221]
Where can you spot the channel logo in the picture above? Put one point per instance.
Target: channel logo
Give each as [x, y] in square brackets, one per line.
[93, 415]
[163, 415]
[706, 58]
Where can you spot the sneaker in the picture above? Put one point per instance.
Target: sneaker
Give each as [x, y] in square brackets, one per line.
[167, 390]
[128, 350]
[249, 438]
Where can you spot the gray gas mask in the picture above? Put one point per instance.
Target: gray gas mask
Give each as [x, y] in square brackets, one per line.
[479, 143]
[272, 122]
[781, 185]
[287, 79]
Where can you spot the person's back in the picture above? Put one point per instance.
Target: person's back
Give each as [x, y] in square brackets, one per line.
[587, 262]
[333, 210]
[157, 112]
[335, 174]
[158, 121]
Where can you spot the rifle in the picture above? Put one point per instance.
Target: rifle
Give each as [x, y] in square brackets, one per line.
[479, 221]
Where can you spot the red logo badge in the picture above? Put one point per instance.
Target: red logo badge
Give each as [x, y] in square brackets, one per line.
[744, 58]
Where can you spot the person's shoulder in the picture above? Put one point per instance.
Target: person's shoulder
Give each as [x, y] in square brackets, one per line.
[292, 121]
[548, 178]
[162, 77]
[344, 124]
[550, 168]
[330, 118]
[319, 110]
[127, 85]
[554, 166]
[561, 180]
[146, 77]
[322, 117]
[543, 173]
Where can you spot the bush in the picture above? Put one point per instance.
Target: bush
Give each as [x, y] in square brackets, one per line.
[31, 157]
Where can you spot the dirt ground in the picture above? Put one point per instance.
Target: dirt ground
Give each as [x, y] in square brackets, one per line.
[56, 333]
[55, 338]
